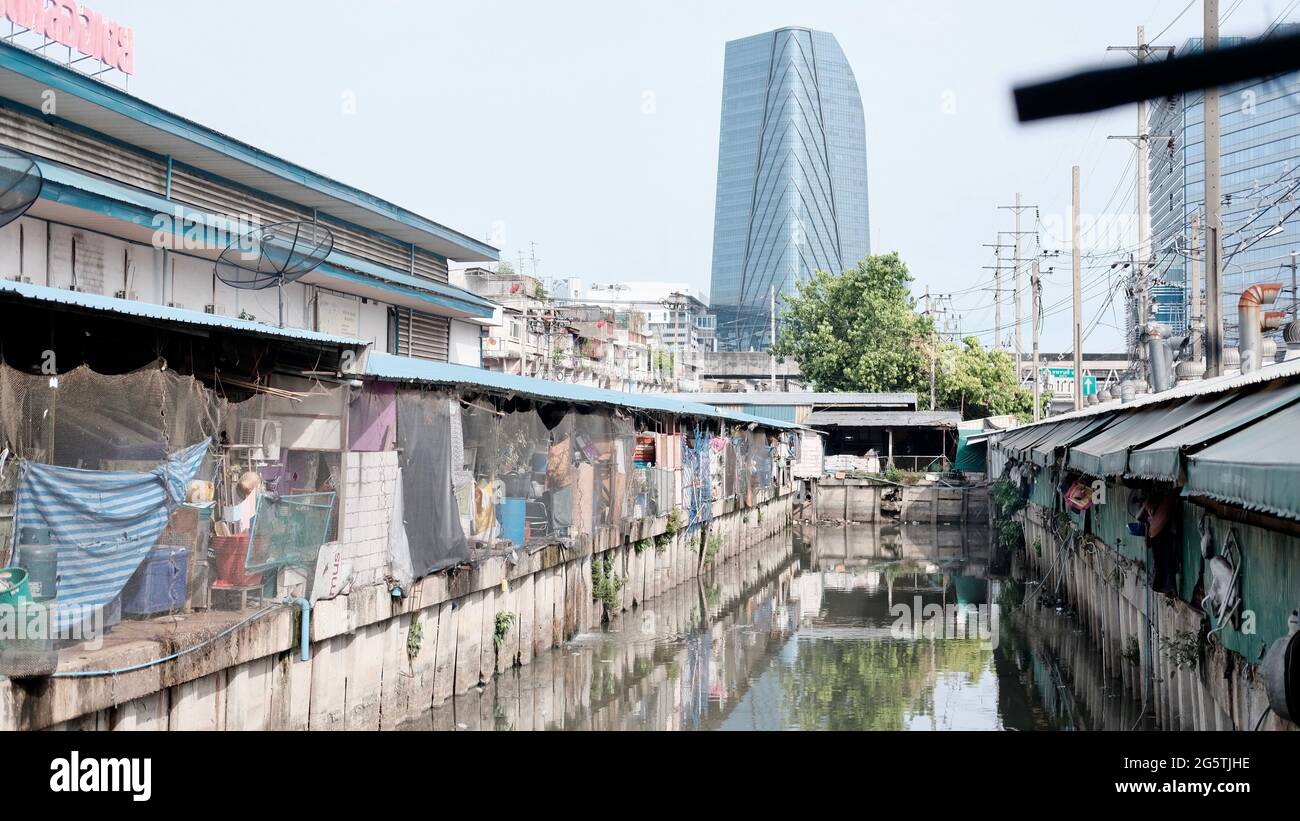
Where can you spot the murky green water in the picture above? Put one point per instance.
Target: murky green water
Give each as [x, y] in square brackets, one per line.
[840, 628]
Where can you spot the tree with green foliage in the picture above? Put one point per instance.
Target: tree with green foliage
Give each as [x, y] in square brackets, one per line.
[980, 382]
[859, 330]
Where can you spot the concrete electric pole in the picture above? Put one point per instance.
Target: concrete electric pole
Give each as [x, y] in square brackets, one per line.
[1139, 309]
[1197, 322]
[1213, 212]
[1018, 209]
[997, 292]
[1078, 299]
[1034, 307]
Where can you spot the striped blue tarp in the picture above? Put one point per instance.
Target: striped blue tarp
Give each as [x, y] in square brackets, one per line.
[104, 523]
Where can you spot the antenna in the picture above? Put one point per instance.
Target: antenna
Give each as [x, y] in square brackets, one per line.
[20, 184]
[274, 255]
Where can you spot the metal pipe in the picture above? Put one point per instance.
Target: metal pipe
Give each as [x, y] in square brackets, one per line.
[1250, 323]
[304, 636]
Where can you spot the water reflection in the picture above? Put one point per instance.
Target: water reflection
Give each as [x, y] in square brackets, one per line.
[853, 627]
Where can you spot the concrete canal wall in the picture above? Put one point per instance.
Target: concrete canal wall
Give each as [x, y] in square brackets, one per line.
[377, 661]
[630, 683]
[1187, 682]
[867, 500]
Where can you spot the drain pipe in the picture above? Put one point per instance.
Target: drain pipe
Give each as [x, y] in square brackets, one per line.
[304, 636]
[1251, 321]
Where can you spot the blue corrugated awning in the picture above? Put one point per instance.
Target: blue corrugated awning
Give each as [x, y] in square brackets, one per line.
[388, 367]
[162, 313]
[1256, 468]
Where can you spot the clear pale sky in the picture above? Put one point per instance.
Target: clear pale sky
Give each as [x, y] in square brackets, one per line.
[591, 128]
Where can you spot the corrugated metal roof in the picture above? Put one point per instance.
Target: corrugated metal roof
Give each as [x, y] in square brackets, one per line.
[800, 398]
[27, 78]
[1257, 468]
[884, 419]
[1208, 387]
[162, 313]
[406, 369]
[1043, 451]
[1161, 460]
[1106, 454]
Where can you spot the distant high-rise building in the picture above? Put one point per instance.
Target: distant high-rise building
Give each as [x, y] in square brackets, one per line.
[792, 176]
[1260, 167]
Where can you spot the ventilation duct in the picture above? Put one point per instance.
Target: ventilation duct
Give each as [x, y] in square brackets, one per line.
[1252, 322]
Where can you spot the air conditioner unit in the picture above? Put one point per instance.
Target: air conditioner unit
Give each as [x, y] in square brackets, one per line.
[131, 295]
[262, 436]
[23, 280]
[178, 305]
[214, 309]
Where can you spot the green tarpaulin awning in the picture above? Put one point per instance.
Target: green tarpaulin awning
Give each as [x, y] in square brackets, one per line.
[1043, 452]
[1160, 460]
[1106, 454]
[1257, 468]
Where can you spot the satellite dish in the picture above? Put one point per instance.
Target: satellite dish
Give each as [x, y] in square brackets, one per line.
[20, 184]
[274, 255]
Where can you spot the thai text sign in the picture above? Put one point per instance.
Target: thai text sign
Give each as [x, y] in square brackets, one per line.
[77, 27]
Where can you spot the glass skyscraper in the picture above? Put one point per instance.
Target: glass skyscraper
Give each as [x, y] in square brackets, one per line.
[792, 176]
[1260, 167]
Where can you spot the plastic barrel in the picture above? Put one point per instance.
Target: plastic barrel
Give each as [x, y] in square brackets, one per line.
[511, 513]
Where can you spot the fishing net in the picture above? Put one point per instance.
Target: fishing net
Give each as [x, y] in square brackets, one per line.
[698, 458]
[94, 421]
[289, 530]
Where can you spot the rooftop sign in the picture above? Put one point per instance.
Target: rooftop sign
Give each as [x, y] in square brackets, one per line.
[80, 28]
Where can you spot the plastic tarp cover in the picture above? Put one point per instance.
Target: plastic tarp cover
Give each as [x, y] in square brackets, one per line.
[104, 523]
[1106, 454]
[1043, 452]
[1256, 468]
[433, 524]
[1161, 459]
[1021, 437]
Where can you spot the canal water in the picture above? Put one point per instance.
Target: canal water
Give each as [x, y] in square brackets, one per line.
[843, 627]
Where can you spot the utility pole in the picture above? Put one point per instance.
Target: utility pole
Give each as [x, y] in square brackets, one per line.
[1034, 308]
[1140, 307]
[771, 296]
[1078, 299]
[1017, 209]
[1197, 321]
[997, 293]
[930, 313]
[1295, 295]
[1213, 212]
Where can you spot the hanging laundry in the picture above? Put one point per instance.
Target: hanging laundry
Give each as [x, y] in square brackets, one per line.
[104, 522]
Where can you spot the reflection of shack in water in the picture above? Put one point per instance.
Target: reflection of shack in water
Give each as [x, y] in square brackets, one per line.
[805, 638]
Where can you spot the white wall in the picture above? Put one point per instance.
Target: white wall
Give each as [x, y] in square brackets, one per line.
[464, 348]
[106, 265]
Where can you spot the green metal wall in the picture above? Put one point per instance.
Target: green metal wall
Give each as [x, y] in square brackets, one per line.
[1110, 524]
[1270, 579]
